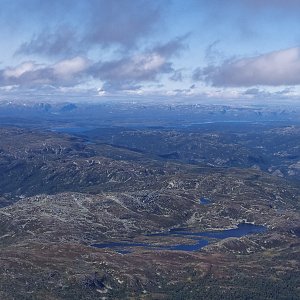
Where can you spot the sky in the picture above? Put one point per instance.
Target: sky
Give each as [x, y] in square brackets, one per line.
[203, 50]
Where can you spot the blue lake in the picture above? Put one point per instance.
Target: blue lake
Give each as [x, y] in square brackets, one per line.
[241, 230]
[199, 238]
[71, 130]
[204, 201]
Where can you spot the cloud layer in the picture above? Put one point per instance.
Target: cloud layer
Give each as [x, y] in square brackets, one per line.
[103, 24]
[271, 69]
[30, 74]
[150, 46]
[127, 72]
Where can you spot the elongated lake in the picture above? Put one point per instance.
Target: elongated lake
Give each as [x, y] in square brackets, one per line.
[201, 239]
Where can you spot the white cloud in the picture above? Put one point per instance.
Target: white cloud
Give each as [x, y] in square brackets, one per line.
[125, 73]
[271, 69]
[142, 65]
[130, 72]
[19, 70]
[69, 67]
[63, 73]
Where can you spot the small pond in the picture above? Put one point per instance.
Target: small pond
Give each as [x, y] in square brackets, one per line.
[204, 201]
